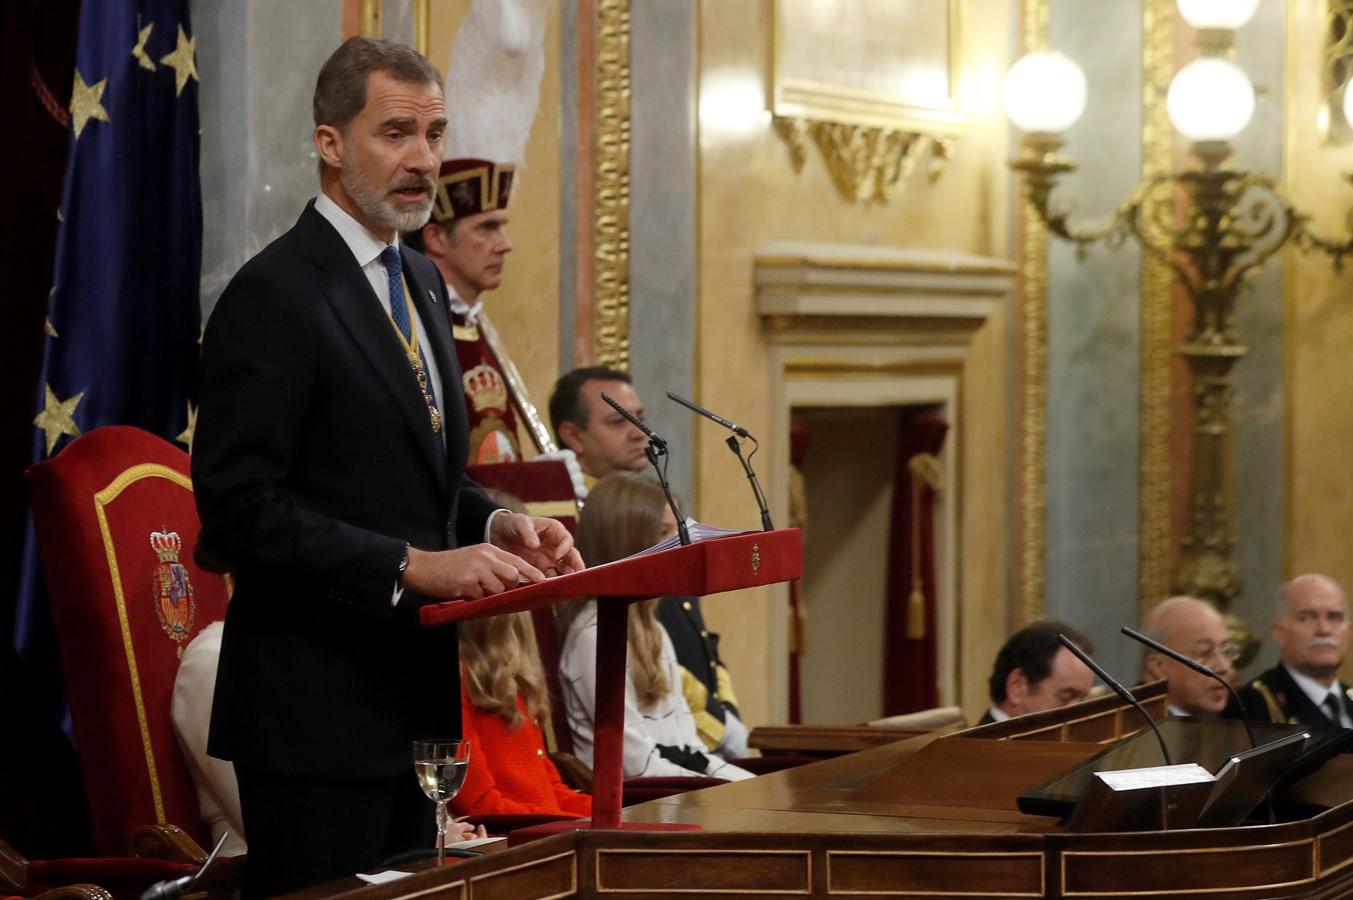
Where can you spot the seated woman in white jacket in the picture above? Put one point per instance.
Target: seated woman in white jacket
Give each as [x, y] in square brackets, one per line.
[625, 513]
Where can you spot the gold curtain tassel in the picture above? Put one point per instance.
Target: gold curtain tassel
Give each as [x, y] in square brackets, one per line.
[916, 614]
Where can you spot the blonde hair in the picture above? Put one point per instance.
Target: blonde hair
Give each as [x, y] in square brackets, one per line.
[622, 516]
[501, 661]
[500, 657]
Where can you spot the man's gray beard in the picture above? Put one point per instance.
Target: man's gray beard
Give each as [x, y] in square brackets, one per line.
[373, 203]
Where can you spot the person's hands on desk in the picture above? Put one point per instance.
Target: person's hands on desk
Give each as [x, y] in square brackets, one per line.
[524, 549]
[543, 543]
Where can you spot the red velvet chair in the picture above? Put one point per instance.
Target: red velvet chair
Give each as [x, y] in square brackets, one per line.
[116, 525]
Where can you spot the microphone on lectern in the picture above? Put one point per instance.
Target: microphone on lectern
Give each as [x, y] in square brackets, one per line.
[1197, 667]
[657, 448]
[733, 445]
[1117, 689]
[635, 421]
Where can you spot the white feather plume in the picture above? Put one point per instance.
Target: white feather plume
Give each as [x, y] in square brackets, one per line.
[493, 80]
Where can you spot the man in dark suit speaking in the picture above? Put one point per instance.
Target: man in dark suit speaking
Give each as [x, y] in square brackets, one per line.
[329, 467]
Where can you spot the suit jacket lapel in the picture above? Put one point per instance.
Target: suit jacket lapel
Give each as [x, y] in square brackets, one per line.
[351, 297]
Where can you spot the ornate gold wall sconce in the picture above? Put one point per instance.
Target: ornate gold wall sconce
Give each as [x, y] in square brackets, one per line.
[1213, 226]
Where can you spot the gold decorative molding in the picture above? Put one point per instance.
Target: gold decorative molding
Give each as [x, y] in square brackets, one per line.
[611, 186]
[1336, 70]
[370, 18]
[422, 16]
[866, 163]
[1157, 300]
[1033, 301]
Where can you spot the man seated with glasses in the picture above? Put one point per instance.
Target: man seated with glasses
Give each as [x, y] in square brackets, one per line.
[1194, 628]
[1310, 626]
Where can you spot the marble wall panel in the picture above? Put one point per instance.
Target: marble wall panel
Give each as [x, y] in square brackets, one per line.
[1093, 343]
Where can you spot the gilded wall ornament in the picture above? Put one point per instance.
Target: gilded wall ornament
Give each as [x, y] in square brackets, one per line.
[866, 163]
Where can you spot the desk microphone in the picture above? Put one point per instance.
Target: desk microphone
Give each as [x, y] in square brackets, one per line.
[169, 890]
[1200, 669]
[1117, 689]
[737, 451]
[656, 449]
[635, 421]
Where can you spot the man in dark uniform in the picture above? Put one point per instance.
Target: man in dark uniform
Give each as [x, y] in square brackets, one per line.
[704, 678]
[1310, 626]
[1034, 672]
[328, 468]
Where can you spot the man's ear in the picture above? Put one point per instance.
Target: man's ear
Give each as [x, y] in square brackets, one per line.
[1153, 667]
[1016, 688]
[568, 436]
[434, 240]
[329, 145]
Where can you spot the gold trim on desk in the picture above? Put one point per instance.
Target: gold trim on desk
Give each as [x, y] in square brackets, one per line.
[702, 851]
[611, 187]
[1032, 449]
[1195, 851]
[1007, 854]
[1157, 301]
[101, 501]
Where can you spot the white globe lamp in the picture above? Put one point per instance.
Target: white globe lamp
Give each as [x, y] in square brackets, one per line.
[1210, 100]
[1221, 15]
[1044, 92]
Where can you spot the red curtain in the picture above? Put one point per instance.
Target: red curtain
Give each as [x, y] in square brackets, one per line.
[911, 649]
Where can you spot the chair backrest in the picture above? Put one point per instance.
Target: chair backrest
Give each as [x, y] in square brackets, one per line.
[116, 525]
[547, 642]
[542, 484]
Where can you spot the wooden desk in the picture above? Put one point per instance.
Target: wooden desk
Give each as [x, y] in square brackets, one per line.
[931, 816]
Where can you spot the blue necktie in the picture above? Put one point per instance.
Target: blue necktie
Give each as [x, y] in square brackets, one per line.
[399, 310]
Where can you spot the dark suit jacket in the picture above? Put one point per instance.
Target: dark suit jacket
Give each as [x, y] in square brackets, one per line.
[314, 462]
[1275, 697]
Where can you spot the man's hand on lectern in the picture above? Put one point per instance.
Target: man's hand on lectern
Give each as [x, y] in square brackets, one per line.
[544, 543]
[467, 572]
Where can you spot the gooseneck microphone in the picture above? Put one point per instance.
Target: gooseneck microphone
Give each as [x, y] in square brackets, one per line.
[635, 421]
[736, 447]
[172, 889]
[712, 416]
[1200, 669]
[657, 448]
[1117, 689]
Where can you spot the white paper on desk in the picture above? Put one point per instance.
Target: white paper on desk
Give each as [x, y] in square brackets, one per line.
[383, 877]
[470, 845]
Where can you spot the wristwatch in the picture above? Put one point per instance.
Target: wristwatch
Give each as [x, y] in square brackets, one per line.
[403, 565]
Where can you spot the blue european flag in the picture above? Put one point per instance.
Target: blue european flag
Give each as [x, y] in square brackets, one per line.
[123, 316]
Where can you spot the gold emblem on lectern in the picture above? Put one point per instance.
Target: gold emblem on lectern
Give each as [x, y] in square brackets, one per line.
[756, 558]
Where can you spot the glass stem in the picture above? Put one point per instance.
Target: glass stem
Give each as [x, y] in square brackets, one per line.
[441, 832]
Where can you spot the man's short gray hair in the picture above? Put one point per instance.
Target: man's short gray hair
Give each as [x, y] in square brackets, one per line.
[340, 90]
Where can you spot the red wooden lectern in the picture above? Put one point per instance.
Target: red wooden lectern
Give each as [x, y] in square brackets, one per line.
[707, 567]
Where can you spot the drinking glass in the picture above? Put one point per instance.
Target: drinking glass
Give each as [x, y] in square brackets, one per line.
[440, 765]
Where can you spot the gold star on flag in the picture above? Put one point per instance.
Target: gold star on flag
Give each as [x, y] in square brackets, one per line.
[181, 61]
[139, 51]
[58, 417]
[186, 437]
[86, 102]
[47, 327]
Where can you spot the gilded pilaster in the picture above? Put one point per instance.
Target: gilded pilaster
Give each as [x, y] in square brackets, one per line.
[1157, 297]
[1034, 396]
[611, 186]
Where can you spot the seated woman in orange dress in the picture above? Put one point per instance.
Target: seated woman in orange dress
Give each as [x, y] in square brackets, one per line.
[503, 700]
